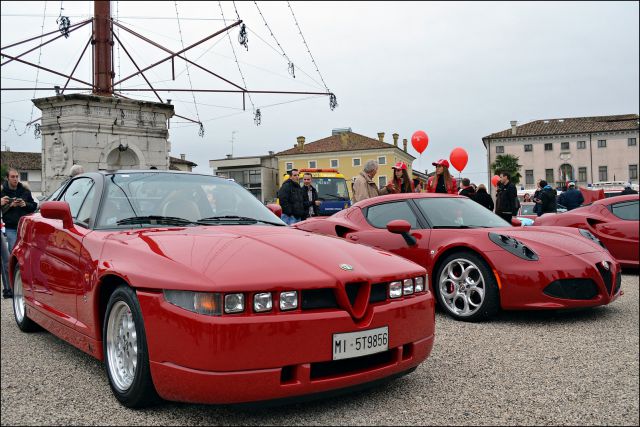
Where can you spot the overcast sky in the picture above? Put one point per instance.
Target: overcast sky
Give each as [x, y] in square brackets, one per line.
[458, 71]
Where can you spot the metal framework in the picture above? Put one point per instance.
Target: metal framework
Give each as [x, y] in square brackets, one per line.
[102, 38]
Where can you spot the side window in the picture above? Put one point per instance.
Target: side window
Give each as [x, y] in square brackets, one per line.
[380, 215]
[76, 194]
[626, 210]
[85, 211]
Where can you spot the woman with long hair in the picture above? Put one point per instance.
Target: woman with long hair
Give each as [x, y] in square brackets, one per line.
[401, 183]
[442, 181]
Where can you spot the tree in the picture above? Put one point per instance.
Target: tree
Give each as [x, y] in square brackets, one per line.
[507, 163]
[3, 172]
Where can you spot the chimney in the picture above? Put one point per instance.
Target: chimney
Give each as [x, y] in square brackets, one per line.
[395, 139]
[514, 129]
[229, 156]
[301, 143]
[381, 136]
[271, 153]
[404, 144]
[182, 156]
[344, 139]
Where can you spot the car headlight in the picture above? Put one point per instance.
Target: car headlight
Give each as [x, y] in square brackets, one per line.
[288, 300]
[262, 302]
[514, 246]
[395, 289]
[419, 281]
[198, 302]
[589, 235]
[233, 303]
[407, 286]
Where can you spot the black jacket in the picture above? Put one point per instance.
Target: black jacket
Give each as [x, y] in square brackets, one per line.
[12, 215]
[506, 199]
[469, 192]
[291, 199]
[484, 199]
[628, 190]
[310, 203]
[548, 200]
[571, 199]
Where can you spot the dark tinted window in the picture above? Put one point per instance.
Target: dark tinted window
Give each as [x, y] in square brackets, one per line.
[456, 212]
[626, 210]
[380, 215]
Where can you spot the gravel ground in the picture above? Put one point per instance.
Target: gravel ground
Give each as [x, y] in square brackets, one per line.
[542, 368]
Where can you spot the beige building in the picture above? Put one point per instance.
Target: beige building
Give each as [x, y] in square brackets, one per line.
[580, 149]
[347, 152]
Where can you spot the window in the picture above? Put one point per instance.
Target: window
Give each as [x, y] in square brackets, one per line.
[255, 176]
[528, 176]
[313, 164]
[582, 174]
[382, 181]
[528, 147]
[334, 163]
[602, 143]
[382, 160]
[582, 145]
[548, 176]
[548, 146]
[499, 149]
[24, 176]
[288, 166]
[356, 162]
[380, 215]
[602, 174]
[626, 210]
[631, 142]
[238, 176]
[76, 194]
[633, 172]
[564, 145]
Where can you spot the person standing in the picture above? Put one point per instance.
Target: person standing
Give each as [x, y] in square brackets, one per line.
[364, 187]
[442, 181]
[401, 182]
[547, 199]
[506, 197]
[16, 203]
[467, 189]
[628, 189]
[311, 202]
[292, 199]
[572, 198]
[483, 197]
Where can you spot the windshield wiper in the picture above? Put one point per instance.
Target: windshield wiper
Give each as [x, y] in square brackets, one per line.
[335, 196]
[234, 218]
[154, 219]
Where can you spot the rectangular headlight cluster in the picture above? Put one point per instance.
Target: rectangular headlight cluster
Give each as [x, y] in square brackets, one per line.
[212, 303]
[407, 287]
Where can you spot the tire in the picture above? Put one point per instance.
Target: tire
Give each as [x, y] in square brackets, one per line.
[20, 306]
[126, 358]
[465, 287]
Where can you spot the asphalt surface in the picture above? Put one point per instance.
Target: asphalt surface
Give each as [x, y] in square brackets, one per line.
[532, 368]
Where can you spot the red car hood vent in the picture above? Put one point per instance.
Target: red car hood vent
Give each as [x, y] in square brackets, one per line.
[553, 241]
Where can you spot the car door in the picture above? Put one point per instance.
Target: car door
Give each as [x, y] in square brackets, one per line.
[375, 233]
[620, 233]
[57, 254]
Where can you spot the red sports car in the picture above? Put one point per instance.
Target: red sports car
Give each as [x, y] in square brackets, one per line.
[613, 220]
[477, 262]
[189, 288]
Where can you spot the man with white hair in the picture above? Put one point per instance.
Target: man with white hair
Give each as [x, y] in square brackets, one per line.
[572, 198]
[76, 170]
[364, 186]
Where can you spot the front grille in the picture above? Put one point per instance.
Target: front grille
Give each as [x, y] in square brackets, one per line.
[349, 366]
[313, 299]
[606, 277]
[618, 282]
[572, 289]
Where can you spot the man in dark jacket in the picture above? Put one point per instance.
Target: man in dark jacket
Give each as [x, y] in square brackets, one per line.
[291, 199]
[506, 197]
[572, 198]
[628, 189]
[310, 197]
[467, 189]
[547, 199]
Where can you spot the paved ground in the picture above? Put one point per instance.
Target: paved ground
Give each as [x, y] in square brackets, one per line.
[522, 368]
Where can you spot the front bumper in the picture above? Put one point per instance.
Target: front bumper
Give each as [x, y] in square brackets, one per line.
[247, 358]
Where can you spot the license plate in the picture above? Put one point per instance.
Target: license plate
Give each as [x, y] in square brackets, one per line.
[361, 343]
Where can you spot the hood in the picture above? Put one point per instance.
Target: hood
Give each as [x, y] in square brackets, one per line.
[552, 241]
[246, 258]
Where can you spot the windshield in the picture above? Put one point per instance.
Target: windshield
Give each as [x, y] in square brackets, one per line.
[178, 197]
[527, 209]
[458, 212]
[331, 188]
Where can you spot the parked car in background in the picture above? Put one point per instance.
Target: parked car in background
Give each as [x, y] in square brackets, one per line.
[614, 221]
[189, 289]
[477, 262]
[526, 212]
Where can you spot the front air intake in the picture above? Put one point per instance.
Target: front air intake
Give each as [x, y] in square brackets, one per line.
[582, 289]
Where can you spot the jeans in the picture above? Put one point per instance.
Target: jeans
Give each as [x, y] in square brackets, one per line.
[5, 263]
[12, 235]
[289, 220]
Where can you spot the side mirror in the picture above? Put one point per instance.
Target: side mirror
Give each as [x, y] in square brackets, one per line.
[57, 210]
[516, 222]
[400, 226]
[276, 209]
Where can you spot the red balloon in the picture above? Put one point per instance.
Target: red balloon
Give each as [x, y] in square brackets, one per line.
[419, 140]
[494, 180]
[459, 158]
